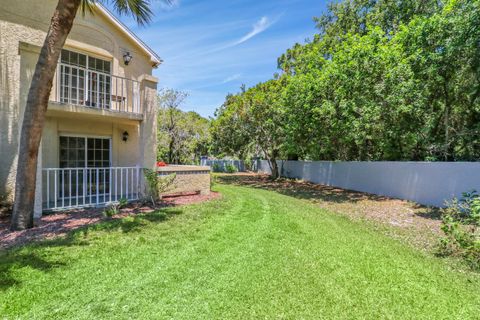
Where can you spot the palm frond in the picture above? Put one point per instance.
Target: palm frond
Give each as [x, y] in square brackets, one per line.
[87, 5]
[140, 10]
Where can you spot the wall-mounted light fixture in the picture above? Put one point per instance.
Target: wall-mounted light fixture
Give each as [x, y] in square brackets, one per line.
[127, 57]
[125, 136]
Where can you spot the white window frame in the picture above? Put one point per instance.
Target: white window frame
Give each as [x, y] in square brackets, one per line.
[86, 136]
[86, 88]
[88, 54]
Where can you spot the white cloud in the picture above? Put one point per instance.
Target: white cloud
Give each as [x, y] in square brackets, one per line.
[261, 25]
[232, 78]
[258, 27]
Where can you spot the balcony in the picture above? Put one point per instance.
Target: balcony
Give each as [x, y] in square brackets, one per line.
[77, 86]
[67, 188]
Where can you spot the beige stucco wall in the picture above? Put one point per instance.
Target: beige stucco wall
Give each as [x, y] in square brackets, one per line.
[187, 179]
[123, 153]
[190, 182]
[28, 21]
[23, 26]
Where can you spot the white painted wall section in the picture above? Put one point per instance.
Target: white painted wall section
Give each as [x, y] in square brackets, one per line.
[427, 183]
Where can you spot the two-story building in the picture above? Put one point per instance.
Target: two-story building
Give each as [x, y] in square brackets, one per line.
[101, 120]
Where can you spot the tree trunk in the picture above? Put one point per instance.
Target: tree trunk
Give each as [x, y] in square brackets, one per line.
[170, 150]
[274, 168]
[35, 110]
[446, 120]
[172, 134]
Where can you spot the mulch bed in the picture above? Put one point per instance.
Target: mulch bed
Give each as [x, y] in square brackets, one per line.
[58, 224]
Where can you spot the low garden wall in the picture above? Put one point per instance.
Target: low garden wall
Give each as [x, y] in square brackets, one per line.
[427, 183]
[188, 179]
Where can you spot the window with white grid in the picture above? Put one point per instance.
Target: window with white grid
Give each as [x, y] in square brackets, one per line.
[84, 80]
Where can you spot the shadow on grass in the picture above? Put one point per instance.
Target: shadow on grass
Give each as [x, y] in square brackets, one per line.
[9, 263]
[310, 191]
[299, 189]
[32, 256]
[132, 223]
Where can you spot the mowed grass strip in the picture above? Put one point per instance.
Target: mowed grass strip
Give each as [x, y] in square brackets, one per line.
[252, 254]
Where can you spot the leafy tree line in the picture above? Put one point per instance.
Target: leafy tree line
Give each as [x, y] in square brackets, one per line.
[182, 137]
[381, 80]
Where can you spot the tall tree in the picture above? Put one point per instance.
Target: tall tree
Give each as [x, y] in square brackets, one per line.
[170, 101]
[444, 53]
[229, 136]
[182, 136]
[253, 120]
[39, 92]
[382, 80]
[387, 80]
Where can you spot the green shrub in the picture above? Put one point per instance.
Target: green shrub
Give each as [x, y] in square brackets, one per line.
[230, 168]
[114, 208]
[460, 223]
[217, 167]
[248, 163]
[213, 180]
[156, 185]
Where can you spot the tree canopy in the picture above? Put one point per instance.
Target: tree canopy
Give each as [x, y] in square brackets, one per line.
[381, 80]
[251, 123]
[182, 137]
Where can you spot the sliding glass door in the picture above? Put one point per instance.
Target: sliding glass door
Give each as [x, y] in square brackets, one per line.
[85, 160]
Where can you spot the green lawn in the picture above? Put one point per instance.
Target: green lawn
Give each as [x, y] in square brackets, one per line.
[253, 254]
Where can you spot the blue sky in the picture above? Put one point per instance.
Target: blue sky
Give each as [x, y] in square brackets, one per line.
[212, 47]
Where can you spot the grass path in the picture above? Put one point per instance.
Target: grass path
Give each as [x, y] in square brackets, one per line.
[253, 254]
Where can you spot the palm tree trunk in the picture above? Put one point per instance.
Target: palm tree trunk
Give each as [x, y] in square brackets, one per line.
[35, 110]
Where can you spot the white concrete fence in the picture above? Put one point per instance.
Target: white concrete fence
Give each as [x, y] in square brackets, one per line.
[221, 164]
[427, 183]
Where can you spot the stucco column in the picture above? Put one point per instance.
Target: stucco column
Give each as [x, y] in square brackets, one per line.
[148, 127]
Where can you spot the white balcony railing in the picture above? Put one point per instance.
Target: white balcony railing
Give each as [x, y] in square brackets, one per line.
[84, 87]
[65, 188]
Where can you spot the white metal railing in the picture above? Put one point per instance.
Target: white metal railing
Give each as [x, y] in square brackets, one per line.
[64, 188]
[81, 86]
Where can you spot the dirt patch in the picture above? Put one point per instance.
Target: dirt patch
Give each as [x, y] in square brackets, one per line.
[415, 224]
[58, 224]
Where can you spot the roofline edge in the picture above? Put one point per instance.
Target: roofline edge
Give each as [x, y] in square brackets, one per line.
[153, 55]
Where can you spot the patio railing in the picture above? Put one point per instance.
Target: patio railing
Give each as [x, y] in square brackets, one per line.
[80, 187]
[94, 89]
